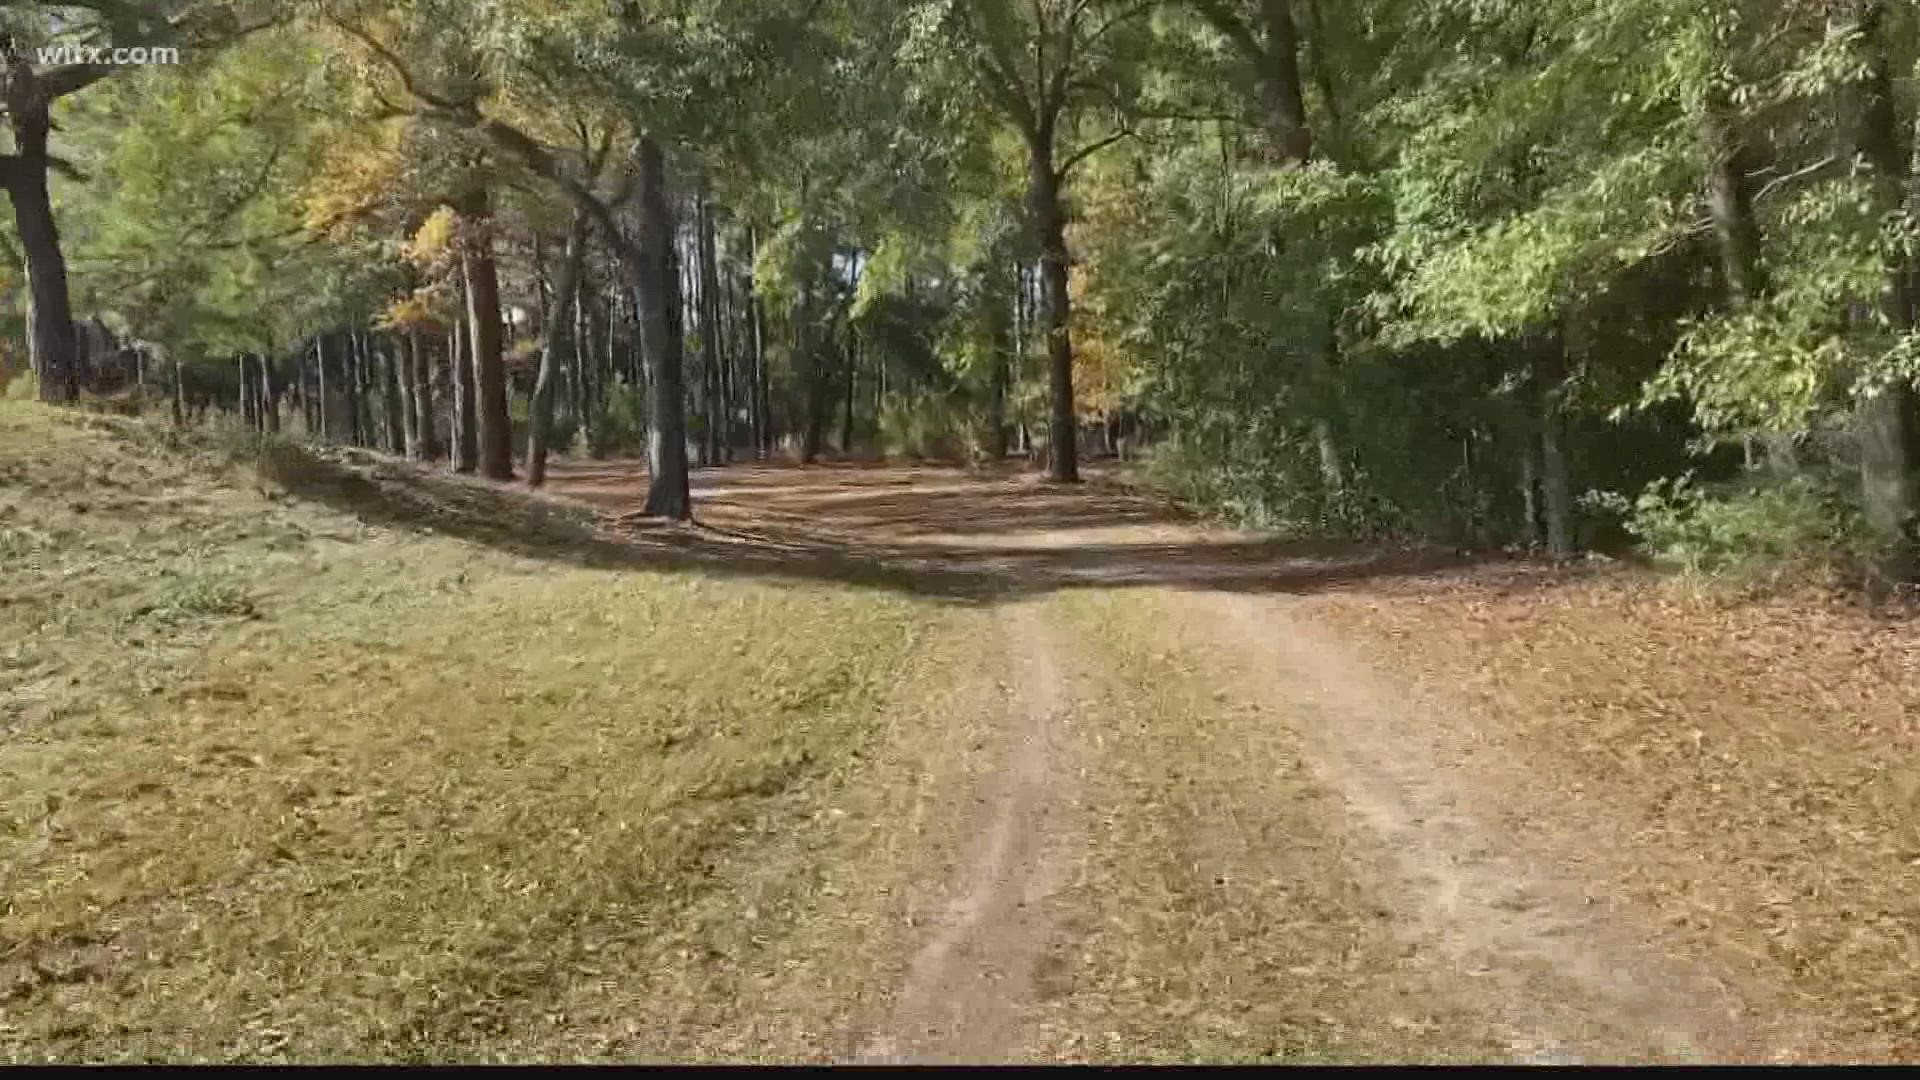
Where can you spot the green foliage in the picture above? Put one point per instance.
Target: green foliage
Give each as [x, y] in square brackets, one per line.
[1786, 362]
[1756, 532]
[195, 596]
[1505, 214]
[930, 426]
[618, 427]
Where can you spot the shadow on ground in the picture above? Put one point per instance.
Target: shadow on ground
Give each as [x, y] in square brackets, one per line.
[933, 531]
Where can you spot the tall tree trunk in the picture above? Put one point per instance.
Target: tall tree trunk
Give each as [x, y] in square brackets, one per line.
[249, 390]
[304, 388]
[392, 406]
[53, 343]
[481, 275]
[583, 382]
[321, 406]
[725, 307]
[1887, 422]
[1534, 522]
[269, 396]
[367, 375]
[1279, 73]
[712, 347]
[852, 366]
[1556, 478]
[853, 381]
[565, 290]
[403, 362]
[1005, 337]
[1051, 217]
[426, 420]
[1323, 73]
[1730, 202]
[657, 284]
[356, 382]
[609, 345]
[740, 339]
[756, 314]
[466, 450]
[1333, 466]
[813, 373]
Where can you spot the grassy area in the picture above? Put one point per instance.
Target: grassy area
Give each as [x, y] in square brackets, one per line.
[1220, 917]
[277, 784]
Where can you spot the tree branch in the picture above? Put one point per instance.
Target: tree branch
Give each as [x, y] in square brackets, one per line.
[1780, 181]
[998, 76]
[72, 78]
[1089, 150]
[399, 67]
[1222, 19]
[66, 168]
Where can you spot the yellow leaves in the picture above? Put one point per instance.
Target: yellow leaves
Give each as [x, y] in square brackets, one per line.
[354, 178]
[416, 310]
[1099, 364]
[435, 239]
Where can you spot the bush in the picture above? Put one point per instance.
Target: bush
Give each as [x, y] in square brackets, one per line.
[1272, 483]
[619, 425]
[931, 427]
[1761, 533]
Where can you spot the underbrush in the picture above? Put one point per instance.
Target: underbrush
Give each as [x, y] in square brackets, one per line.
[617, 426]
[1278, 490]
[1757, 535]
[936, 427]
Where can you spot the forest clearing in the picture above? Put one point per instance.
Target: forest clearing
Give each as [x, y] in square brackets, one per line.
[331, 757]
[959, 531]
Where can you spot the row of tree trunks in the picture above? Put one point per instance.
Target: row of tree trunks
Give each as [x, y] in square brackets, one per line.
[259, 397]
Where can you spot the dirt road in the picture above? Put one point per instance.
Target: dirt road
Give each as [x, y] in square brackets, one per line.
[1209, 830]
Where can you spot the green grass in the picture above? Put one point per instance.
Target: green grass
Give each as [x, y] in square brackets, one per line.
[278, 785]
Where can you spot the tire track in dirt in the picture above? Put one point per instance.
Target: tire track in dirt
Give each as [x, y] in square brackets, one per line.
[1512, 928]
[966, 989]
[1570, 981]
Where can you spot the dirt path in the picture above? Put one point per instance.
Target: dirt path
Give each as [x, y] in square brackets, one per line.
[966, 988]
[1554, 965]
[1511, 937]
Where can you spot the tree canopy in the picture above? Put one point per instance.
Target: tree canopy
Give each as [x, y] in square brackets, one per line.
[1468, 268]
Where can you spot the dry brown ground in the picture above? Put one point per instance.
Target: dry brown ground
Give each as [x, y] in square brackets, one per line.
[1599, 819]
[320, 758]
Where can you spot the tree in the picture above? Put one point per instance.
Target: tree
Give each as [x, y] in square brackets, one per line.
[1051, 69]
[1873, 134]
[30, 95]
[480, 278]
